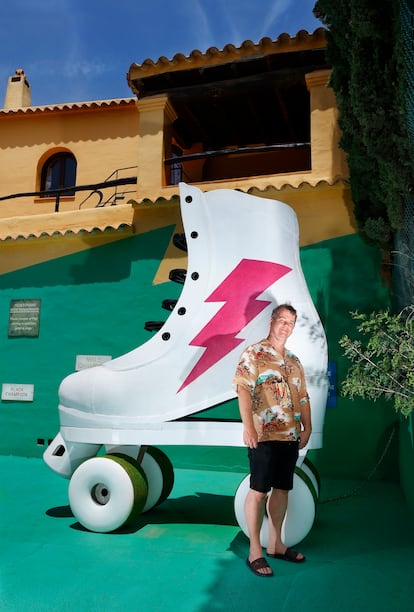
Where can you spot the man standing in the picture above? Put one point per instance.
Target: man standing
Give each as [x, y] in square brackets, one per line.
[275, 410]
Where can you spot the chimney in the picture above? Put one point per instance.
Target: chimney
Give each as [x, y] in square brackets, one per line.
[18, 91]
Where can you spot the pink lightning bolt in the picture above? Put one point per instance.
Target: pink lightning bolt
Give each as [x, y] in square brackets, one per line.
[239, 291]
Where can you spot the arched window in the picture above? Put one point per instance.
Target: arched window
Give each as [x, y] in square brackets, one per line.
[59, 171]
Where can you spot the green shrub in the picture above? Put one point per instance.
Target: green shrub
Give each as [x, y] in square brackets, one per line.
[382, 358]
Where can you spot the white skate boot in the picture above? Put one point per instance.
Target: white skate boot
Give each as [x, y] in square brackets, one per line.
[243, 259]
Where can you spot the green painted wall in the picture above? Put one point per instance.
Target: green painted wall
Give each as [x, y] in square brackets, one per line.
[93, 302]
[406, 458]
[355, 432]
[97, 301]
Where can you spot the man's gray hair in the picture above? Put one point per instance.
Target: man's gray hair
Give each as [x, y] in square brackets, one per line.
[289, 307]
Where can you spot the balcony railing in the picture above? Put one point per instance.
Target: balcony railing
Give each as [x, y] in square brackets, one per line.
[95, 188]
[238, 162]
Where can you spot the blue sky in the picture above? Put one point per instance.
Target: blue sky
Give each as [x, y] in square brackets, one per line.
[79, 50]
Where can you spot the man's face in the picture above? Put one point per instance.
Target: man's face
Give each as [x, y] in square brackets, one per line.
[283, 324]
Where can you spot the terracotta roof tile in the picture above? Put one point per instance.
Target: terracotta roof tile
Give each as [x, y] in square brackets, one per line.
[214, 56]
[29, 110]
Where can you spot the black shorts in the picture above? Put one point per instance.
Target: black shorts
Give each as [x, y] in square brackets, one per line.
[272, 465]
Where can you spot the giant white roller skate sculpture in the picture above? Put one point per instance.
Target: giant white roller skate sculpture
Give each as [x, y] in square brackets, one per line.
[243, 259]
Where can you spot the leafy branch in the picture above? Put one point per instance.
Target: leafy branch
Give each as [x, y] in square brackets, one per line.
[382, 358]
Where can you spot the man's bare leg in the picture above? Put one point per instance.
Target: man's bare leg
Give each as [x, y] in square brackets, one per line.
[276, 508]
[254, 511]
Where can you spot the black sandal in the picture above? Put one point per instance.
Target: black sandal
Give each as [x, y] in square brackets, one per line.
[288, 555]
[259, 564]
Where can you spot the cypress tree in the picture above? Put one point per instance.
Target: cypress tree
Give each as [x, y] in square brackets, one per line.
[365, 50]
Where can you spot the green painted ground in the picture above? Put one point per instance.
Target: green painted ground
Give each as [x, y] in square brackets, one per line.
[188, 554]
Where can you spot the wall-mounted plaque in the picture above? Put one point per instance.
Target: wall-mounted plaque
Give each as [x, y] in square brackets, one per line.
[24, 318]
[17, 393]
[89, 361]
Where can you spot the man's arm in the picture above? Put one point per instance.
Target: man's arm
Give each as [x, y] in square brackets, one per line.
[306, 421]
[305, 411]
[245, 406]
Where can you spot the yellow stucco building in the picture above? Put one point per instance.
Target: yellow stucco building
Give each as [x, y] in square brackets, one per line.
[260, 118]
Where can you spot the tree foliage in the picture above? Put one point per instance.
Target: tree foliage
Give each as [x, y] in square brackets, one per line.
[365, 49]
[382, 358]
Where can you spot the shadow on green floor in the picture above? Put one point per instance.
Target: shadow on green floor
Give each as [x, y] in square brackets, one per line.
[188, 555]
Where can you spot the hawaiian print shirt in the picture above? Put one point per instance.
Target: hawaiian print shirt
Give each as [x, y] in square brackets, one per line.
[277, 387]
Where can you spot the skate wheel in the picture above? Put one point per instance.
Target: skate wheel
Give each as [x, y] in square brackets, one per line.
[160, 476]
[108, 492]
[300, 513]
[310, 470]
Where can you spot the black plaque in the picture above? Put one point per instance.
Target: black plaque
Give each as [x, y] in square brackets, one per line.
[24, 318]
